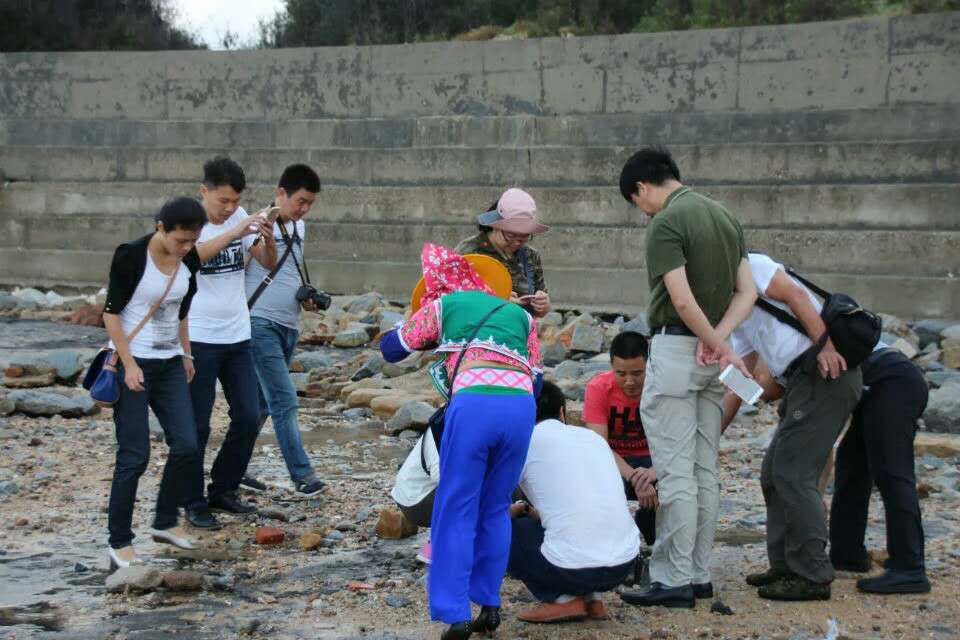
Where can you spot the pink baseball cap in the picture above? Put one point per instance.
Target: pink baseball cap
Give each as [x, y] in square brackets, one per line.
[516, 212]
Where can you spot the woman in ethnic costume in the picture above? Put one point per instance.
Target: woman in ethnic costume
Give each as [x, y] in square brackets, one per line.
[487, 431]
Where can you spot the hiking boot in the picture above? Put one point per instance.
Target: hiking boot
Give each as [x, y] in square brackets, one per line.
[251, 483]
[896, 581]
[767, 577]
[795, 588]
[309, 487]
[229, 502]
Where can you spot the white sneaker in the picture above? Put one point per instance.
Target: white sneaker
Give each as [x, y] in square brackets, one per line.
[175, 536]
[123, 557]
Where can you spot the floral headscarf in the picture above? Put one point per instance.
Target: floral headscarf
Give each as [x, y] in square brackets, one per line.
[445, 271]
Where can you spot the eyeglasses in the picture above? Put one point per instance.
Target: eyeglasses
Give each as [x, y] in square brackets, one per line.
[516, 237]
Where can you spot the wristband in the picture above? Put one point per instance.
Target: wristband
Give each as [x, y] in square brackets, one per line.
[187, 356]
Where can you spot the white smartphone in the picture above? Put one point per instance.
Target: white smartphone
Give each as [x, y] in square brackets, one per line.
[745, 388]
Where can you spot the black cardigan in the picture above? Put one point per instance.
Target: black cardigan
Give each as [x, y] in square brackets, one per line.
[126, 270]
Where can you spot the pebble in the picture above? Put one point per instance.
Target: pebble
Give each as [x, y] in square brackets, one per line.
[396, 601]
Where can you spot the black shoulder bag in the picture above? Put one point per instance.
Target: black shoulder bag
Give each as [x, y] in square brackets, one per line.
[436, 422]
[855, 331]
[273, 273]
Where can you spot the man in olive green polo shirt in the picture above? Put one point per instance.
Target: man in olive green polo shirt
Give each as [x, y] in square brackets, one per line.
[700, 290]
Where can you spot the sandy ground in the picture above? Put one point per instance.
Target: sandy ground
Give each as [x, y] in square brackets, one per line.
[53, 548]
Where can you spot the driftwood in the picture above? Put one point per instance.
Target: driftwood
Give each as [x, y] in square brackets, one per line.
[41, 614]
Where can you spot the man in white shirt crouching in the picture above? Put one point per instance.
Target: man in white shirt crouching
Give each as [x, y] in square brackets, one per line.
[576, 538]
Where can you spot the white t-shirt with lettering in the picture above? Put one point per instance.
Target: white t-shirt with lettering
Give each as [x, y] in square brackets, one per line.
[160, 337]
[218, 313]
[777, 343]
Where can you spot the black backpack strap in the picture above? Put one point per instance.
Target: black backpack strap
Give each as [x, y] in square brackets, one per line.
[791, 321]
[820, 291]
[269, 278]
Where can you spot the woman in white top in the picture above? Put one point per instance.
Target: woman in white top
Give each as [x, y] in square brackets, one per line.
[153, 277]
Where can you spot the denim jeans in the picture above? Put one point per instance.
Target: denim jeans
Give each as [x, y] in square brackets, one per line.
[547, 581]
[273, 346]
[166, 392]
[232, 365]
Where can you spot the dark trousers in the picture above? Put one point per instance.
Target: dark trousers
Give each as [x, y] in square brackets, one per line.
[547, 581]
[878, 450]
[232, 365]
[812, 414]
[166, 392]
[646, 519]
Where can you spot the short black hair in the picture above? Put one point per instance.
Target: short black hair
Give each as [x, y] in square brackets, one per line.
[182, 213]
[551, 402]
[222, 171]
[299, 176]
[651, 164]
[629, 344]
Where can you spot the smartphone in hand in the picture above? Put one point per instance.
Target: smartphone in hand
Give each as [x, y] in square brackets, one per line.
[272, 214]
[745, 388]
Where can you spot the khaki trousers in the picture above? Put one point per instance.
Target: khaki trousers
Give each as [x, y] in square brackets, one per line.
[681, 410]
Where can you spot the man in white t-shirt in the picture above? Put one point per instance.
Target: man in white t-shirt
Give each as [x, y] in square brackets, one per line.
[576, 538]
[819, 394]
[220, 334]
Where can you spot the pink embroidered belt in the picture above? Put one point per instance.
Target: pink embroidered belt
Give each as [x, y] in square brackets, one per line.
[493, 377]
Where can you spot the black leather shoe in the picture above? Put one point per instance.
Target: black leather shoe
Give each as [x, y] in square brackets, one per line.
[488, 620]
[201, 518]
[862, 565]
[702, 591]
[229, 502]
[459, 631]
[660, 596]
[896, 581]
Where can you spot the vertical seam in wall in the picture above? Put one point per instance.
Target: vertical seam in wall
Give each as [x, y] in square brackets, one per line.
[736, 102]
[886, 88]
[543, 88]
[603, 97]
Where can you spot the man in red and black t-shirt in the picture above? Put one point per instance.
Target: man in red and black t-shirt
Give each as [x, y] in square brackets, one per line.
[612, 408]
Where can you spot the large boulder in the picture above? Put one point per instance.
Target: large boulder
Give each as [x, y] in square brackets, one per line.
[33, 296]
[48, 403]
[587, 338]
[413, 415]
[951, 352]
[306, 361]
[7, 406]
[371, 367]
[638, 324]
[943, 410]
[928, 331]
[365, 303]
[394, 526]
[953, 331]
[66, 364]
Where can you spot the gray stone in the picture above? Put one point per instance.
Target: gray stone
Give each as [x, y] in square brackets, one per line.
[311, 360]
[365, 303]
[552, 319]
[32, 295]
[300, 381]
[48, 403]
[638, 324]
[67, 363]
[397, 369]
[396, 601]
[568, 369]
[943, 410]
[413, 415]
[587, 338]
[553, 354]
[358, 413]
[929, 331]
[136, 578]
[182, 581]
[7, 406]
[371, 367]
[943, 378]
[953, 331]
[388, 319]
[8, 488]
[273, 513]
[351, 338]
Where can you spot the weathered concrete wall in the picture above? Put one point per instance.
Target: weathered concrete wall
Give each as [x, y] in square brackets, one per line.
[837, 145]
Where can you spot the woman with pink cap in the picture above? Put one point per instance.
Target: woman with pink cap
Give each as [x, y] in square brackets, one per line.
[487, 429]
[504, 232]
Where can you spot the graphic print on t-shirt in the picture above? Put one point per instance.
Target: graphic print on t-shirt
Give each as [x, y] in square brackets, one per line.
[166, 323]
[625, 431]
[229, 260]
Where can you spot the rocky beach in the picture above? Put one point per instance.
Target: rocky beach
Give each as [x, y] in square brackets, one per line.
[342, 565]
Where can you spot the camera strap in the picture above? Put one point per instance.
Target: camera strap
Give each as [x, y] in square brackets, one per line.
[304, 279]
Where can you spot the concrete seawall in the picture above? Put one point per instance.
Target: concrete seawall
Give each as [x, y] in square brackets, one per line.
[836, 144]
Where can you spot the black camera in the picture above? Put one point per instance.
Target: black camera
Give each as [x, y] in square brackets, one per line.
[309, 293]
